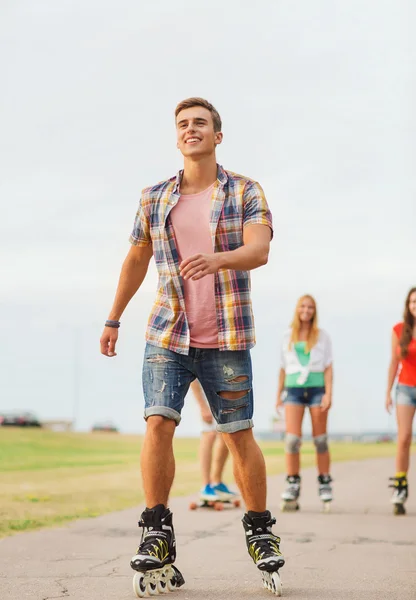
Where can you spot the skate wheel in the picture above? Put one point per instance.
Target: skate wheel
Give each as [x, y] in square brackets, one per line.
[289, 506]
[276, 584]
[236, 503]
[162, 587]
[193, 506]
[218, 506]
[326, 508]
[399, 509]
[171, 585]
[152, 589]
[139, 586]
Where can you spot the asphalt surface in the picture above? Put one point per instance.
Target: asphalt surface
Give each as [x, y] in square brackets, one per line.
[358, 551]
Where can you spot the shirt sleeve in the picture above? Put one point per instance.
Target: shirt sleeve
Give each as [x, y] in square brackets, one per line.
[328, 358]
[140, 236]
[283, 358]
[398, 329]
[256, 209]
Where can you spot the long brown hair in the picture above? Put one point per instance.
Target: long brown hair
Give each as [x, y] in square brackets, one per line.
[408, 324]
[295, 325]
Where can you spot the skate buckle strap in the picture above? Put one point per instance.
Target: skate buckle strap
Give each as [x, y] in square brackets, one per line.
[265, 536]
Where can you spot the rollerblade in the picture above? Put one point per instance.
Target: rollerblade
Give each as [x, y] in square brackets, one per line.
[156, 554]
[325, 491]
[291, 494]
[400, 494]
[264, 548]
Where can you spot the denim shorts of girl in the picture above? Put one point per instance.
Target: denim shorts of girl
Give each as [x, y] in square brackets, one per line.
[167, 376]
[308, 396]
[406, 395]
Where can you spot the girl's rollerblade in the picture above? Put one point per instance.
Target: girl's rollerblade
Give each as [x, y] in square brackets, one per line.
[264, 548]
[400, 493]
[291, 494]
[325, 491]
[156, 554]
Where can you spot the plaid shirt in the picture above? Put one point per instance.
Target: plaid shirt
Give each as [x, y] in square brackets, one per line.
[236, 202]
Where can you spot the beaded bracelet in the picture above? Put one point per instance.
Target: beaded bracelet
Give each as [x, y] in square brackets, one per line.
[113, 324]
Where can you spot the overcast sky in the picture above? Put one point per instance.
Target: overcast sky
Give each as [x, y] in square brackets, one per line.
[317, 101]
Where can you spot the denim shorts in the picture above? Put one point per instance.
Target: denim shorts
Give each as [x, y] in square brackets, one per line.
[167, 376]
[406, 394]
[310, 396]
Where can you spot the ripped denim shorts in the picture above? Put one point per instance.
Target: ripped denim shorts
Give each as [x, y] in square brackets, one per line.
[167, 376]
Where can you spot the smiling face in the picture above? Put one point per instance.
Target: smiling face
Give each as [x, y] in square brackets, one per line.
[196, 137]
[412, 304]
[306, 310]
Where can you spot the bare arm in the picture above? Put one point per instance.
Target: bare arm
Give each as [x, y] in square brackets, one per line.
[198, 392]
[280, 386]
[328, 378]
[254, 253]
[132, 274]
[393, 366]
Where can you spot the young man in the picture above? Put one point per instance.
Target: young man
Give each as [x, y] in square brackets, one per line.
[213, 453]
[206, 228]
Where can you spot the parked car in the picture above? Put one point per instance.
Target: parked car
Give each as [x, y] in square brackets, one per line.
[19, 419]
[108, 426]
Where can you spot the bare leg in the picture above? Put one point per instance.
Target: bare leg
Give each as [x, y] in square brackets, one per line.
[319, 420]
[157, 460]
[404, 415]
[206, 445]
[249, 468]
[294, 417]
[219, 459]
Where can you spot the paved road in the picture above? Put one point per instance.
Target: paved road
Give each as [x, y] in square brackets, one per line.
[359, 551]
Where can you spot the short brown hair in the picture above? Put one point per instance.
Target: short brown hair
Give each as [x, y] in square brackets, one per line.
[190, 102]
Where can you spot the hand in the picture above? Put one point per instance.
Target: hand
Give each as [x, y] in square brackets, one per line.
[108, 341]
[206, 415]
[197, 266]
[279, 402]
[326, 402]
[389, 403]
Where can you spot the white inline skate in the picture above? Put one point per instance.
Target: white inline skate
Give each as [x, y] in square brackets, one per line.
[400, 494]
[156, 554]
[291, 494]
[325, 492]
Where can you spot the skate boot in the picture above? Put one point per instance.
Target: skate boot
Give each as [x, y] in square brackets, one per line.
[264, 548]
[325, 491]
[291, 494]
[400, 494]
[156, 554]
[225, 494]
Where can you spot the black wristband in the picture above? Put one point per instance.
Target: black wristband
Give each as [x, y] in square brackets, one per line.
[113, 324]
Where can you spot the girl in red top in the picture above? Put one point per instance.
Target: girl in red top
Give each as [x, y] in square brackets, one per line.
[403, 364]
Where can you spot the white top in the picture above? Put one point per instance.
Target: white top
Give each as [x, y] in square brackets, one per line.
[320, 357]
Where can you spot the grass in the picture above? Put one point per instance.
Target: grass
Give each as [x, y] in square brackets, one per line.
[49, 478]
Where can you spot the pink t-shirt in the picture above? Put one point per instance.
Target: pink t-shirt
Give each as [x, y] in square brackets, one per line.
[190, 219]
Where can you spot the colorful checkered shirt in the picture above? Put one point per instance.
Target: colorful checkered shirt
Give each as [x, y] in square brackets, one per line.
[236, 202]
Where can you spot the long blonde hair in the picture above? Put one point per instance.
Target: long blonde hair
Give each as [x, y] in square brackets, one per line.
[295, 325]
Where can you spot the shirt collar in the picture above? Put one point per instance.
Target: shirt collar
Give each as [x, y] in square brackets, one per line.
[222, 177]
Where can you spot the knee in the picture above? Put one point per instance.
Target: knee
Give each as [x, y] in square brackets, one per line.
[209, 436]
[405, 440]
[321, 443]
[160, 426]
[293, 443]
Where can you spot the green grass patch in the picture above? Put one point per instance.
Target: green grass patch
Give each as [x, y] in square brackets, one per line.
[49, 478]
